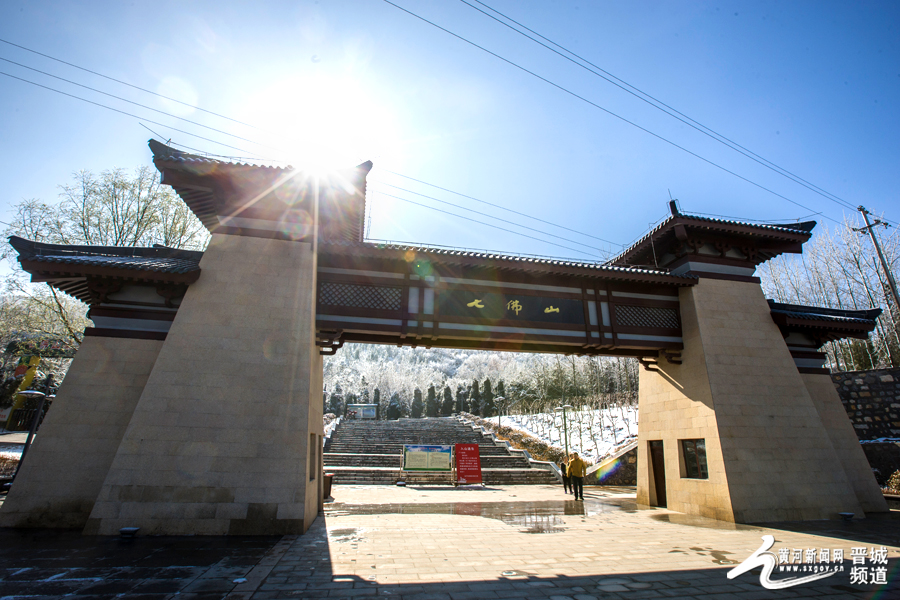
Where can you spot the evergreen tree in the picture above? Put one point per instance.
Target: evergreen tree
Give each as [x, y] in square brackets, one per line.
[336, 402]
[475, 399]
[488, 408]
[377, 396]
[417, 405]
[501, 389]
[364, 397]
[447, 404]
[432, 406]
[394, 410]
[462, 400]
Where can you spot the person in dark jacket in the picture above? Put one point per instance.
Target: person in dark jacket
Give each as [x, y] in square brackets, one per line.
[564, 469]
[577, 470]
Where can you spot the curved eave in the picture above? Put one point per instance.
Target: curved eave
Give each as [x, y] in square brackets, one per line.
[641, 252]
[507, 264]
[825, 327]
[41, 270]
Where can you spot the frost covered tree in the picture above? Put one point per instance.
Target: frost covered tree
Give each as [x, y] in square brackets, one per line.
[336, 401]
[394, 410]
[418, 407]
[447, 404]
[432, 406]
[475, 399]
[488, 408]
[462, 401]
[113, 209]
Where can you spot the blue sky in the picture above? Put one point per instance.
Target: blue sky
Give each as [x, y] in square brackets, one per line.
[811, 86]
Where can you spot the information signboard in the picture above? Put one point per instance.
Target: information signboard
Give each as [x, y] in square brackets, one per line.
[468, 464]
[427, 458]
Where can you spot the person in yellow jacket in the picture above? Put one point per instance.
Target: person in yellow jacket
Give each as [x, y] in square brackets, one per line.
[577, 470]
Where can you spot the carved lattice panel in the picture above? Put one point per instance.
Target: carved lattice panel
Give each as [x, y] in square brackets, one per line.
[360, 296]
[647, 316]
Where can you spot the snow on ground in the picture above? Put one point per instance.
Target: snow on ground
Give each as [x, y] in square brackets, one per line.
[13, 451]
[594, 434]
[330, 424]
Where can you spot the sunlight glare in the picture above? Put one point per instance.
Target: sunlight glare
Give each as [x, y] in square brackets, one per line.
[320, 123]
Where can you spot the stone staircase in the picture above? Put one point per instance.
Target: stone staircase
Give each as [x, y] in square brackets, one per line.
[371, 452]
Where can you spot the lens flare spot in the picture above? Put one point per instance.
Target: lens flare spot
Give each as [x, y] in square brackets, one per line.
[276, 347]
[293, 193]
[422, 268]
[606, 470]
[296, 224]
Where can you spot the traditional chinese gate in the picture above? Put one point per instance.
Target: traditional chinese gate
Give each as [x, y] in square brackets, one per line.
[186, 397]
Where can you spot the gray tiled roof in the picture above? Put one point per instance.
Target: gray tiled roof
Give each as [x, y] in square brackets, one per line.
[158, 259]
[161, 152]
[502, 259]
[817, 313]
[140, 263]
[783, 228]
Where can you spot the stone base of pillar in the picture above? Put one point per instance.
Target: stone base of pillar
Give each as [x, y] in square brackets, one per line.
[71, 455]
[769, 456]
[224, 437]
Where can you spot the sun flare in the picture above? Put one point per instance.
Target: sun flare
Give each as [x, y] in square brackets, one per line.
[320, 124]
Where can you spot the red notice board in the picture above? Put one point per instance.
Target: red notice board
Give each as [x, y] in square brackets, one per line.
[468, 464]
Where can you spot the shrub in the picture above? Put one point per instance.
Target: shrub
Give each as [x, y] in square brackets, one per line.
[893, 483]
[538, 449]
[8, 465]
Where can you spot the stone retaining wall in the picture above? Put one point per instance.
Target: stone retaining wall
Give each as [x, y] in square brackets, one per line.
[872, 401]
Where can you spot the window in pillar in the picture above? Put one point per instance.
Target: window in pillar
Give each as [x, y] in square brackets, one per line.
[694, 454]
[313, 455]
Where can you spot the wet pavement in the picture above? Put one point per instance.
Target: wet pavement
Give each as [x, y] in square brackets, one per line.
[437, 543]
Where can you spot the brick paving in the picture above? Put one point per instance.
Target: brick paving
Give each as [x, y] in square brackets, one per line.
[428, 543]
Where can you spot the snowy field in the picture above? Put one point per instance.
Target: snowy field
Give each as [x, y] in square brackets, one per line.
[594, 434]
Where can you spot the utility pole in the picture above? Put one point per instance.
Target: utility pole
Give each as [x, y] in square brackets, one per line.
[870, 229]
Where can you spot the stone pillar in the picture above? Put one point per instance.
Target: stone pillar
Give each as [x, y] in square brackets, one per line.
[769, 455]
[68, 461]
[219, 442]
[845, 441]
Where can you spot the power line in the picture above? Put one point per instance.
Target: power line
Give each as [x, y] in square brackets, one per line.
[156, 110]
[267, 160]
[521, 214]
[427, 246]
[126, 113]
[607, 111]
[245, 152]
[124, 83]
[490, 216]
[202, 152]
[253, 142]
[661, 106]
[531, 237]
[258, 158]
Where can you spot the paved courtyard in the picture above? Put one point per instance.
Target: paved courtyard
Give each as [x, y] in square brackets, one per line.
[452, 544]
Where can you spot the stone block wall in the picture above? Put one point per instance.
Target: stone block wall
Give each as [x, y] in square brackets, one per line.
[769, 455]
[872, 400]
[220, 440]
[65, 468]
